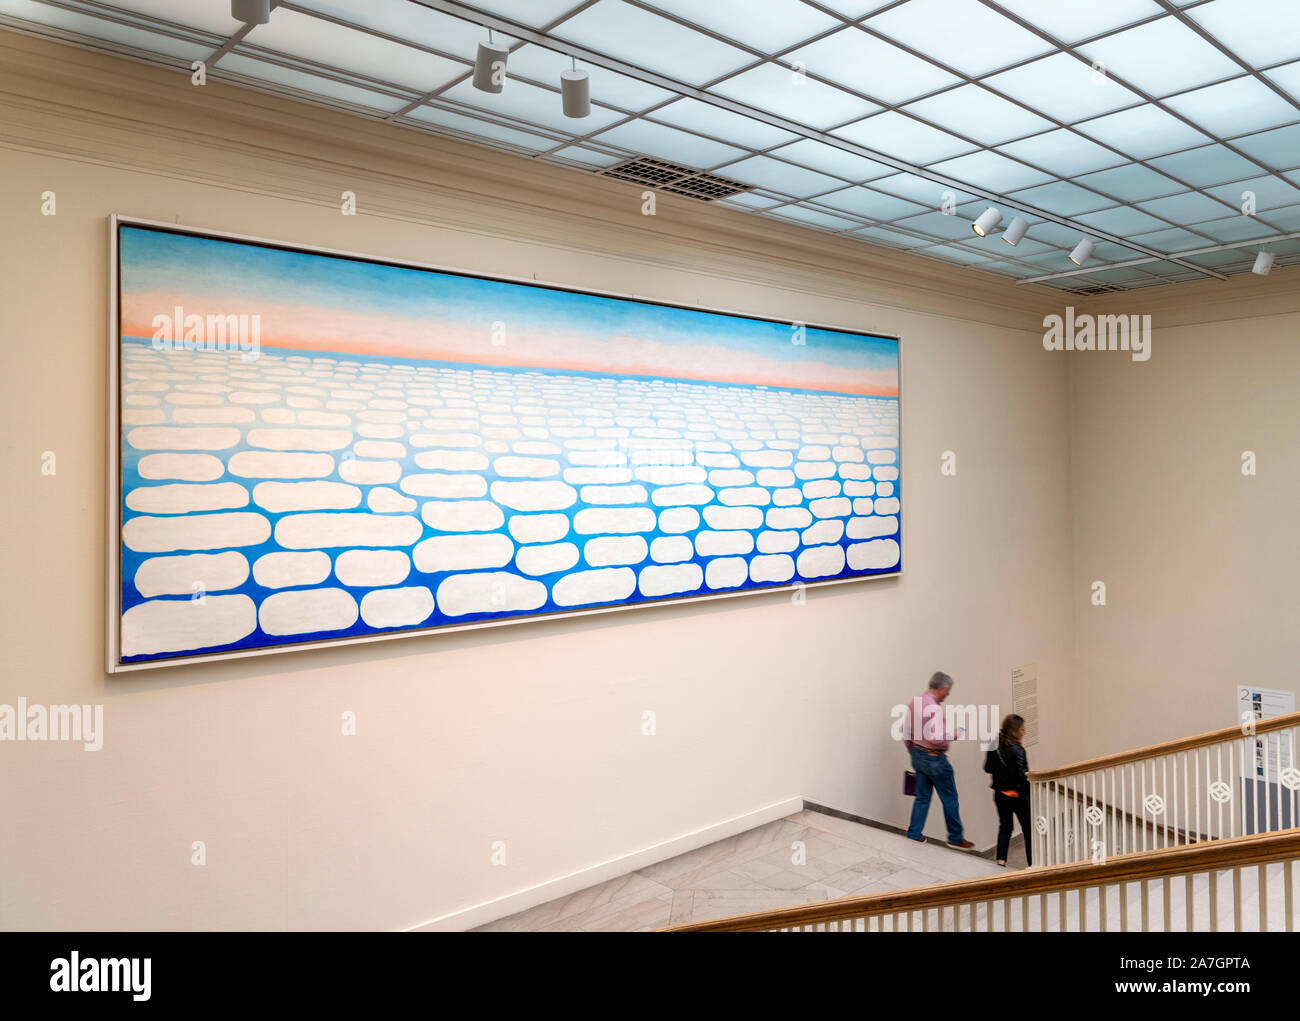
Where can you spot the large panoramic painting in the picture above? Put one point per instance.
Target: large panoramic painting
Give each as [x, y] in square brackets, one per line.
[315, 448]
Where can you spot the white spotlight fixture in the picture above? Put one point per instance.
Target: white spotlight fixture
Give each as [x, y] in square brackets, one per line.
[575, 92]
[1082, 251]
[988, 220]
[1016, 231]
[251, 12]
[490, 66]
[1263, 263]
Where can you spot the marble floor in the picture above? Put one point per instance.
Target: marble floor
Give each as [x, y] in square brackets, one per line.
[755, 871]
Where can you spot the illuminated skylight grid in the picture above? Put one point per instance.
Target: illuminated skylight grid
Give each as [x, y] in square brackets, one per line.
[520, 121]
[521, 130]
[975, 145]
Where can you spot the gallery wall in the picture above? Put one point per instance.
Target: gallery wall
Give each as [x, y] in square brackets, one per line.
[1199, 560]
[532, 739]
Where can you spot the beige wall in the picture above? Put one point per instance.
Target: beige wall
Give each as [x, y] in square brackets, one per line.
[528, 734]
[1200, 562]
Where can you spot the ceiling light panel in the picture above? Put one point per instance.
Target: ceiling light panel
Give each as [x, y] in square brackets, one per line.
[1174, 239]
[579, 154]
[1131, 183]
[765, 172]
[1207, 165]
[1235, 107]
[765, 25]
[1063, 152]
[905, 138]
[869, 65]
[1062, 198]
[1287, 77]
[815, 218]
[1189, 207]
[1236, 228]
[1278, 149]
[1064, 87]
[754, 200]
[653, 139]
[1143, 132]
[1261, 32]
[794, 96]
[1221, 259]
[1070, 21]
[871, 204]
[979, 114]
[920, 189]
[1268, 193]
[533, 13]
[963, 34]
[990, 170]
[653, 42]
[1286, 220]
[828, 159]
[332, 45]
[956, 253]
[855, 9]
[1121, 220]
[1161, 57]
[735, 128]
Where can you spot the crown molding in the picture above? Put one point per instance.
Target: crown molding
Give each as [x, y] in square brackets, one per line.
[77, 103]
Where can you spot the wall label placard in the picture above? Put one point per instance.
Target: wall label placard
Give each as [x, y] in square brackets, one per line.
[1024, 700]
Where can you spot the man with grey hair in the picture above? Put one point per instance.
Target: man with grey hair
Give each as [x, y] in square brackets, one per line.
[927, 738]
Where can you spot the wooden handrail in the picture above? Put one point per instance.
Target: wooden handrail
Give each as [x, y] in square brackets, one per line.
[1232, 852]
[1168, 747]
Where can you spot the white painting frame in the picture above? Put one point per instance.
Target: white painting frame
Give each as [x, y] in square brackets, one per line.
[113, 537]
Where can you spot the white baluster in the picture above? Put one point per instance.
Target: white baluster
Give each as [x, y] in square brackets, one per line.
[1288, 894]
[1261, 873]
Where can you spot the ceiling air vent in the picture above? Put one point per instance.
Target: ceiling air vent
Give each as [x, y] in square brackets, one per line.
[670, 177]
[1094, 289]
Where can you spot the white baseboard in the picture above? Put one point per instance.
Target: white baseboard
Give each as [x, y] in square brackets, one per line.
[521, 900]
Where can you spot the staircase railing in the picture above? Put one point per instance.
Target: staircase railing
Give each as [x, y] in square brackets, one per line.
[1223, 784]
[1237, 884]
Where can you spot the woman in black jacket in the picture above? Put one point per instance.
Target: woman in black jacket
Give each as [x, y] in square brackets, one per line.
[1010, 767]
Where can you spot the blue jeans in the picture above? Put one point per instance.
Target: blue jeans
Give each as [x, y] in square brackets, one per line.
[934, 773]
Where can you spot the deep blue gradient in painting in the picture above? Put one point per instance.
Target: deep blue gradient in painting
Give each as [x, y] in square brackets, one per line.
[131, 560]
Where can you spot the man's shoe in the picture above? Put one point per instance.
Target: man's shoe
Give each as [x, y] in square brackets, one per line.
[964, 845]
[919, 840]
